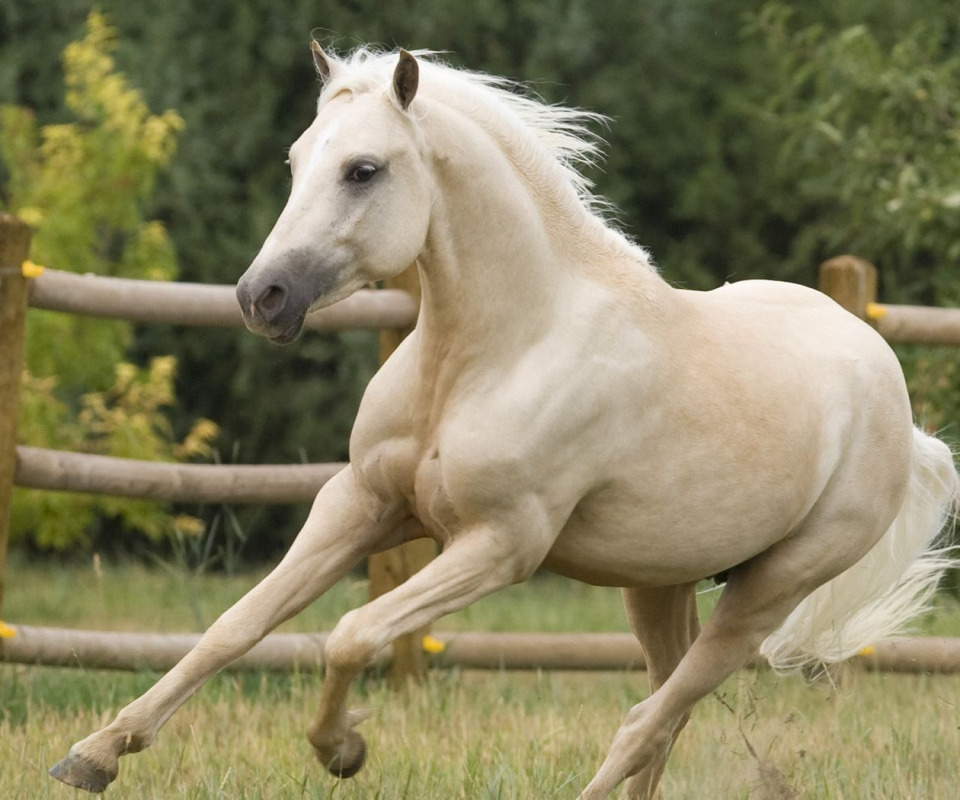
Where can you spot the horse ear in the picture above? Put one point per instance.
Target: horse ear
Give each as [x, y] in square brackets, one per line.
[406, 78]
[320, 61]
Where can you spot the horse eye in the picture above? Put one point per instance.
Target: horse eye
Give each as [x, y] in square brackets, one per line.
[362, 173]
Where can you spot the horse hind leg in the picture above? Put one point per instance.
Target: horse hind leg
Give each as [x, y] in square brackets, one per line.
[888, 587]
[760, 594]
[665, 621]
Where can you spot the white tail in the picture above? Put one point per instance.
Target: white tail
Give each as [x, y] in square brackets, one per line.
[890, 585]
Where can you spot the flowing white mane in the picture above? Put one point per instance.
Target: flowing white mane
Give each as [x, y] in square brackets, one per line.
[555, 142]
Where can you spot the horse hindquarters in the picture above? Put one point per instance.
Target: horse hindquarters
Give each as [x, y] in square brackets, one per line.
[767, 600]
[889, 586]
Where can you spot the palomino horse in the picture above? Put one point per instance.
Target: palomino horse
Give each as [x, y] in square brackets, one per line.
[560, 405]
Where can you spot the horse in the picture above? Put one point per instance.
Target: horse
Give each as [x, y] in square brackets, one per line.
[559, 405]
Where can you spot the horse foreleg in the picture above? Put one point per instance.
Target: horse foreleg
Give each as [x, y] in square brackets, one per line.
[665, 621]
[344, 525]
[473, 566]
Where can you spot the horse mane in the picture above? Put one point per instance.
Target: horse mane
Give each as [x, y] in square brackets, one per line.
[552, 143]
[549, 145]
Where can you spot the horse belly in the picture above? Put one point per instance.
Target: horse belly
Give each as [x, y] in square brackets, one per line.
[695, 513]
[607, 549]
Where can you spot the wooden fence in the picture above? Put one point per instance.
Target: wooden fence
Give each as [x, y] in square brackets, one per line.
[393, 310]
[465, 649]
[181, 304]
[850, 281]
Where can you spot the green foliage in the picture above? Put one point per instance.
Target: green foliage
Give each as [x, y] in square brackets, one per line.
[82, 184]
[870, 146]
[869, 163]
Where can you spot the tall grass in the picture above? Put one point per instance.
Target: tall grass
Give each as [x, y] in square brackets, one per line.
[463, 734]
[498, 735]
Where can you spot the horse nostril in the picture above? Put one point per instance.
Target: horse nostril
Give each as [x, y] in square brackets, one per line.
[272, 301]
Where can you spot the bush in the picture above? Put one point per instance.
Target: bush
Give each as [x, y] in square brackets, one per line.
[82, 185]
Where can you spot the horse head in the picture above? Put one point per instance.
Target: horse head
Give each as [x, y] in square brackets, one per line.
[359, 204]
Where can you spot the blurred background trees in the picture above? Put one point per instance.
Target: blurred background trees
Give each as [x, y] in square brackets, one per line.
[743, 143]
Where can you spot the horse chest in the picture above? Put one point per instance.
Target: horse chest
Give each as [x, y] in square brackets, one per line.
[404, 471]
[431, 501]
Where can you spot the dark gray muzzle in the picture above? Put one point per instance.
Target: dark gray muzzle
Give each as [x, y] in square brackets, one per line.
[272, 304]
[275, 296]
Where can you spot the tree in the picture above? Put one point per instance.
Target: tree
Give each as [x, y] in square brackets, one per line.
[870, 146]
[868, 121]
[82, 184]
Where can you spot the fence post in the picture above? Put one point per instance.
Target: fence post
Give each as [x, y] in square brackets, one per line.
[388, 570]
[14, 250]
[851, 281]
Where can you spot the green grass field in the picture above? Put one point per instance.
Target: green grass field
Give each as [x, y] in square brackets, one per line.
[462, 734]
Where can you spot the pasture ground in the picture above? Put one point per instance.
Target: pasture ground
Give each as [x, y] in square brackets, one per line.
[468, 735]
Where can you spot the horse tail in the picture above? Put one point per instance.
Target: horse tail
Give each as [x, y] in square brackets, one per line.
[891, 585]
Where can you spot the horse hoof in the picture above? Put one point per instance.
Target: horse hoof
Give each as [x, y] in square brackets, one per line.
[349, 760]
[76, 771]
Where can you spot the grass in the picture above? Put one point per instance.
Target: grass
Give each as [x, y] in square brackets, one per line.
[133, 597]
[463, 734]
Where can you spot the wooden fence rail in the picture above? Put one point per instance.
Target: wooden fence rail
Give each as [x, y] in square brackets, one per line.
[852, 282]
[56, 470]
[204, 305]
[467, 650]
[916, 324]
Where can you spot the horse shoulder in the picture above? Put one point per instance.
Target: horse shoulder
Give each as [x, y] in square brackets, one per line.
[555, 412]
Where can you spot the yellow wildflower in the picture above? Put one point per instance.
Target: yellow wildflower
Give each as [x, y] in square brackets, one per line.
[432, 645]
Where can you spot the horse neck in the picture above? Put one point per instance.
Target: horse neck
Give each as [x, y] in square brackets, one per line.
[487, 269]
[504, 263]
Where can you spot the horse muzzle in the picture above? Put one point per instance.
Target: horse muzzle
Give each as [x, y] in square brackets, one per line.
[272, 308]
